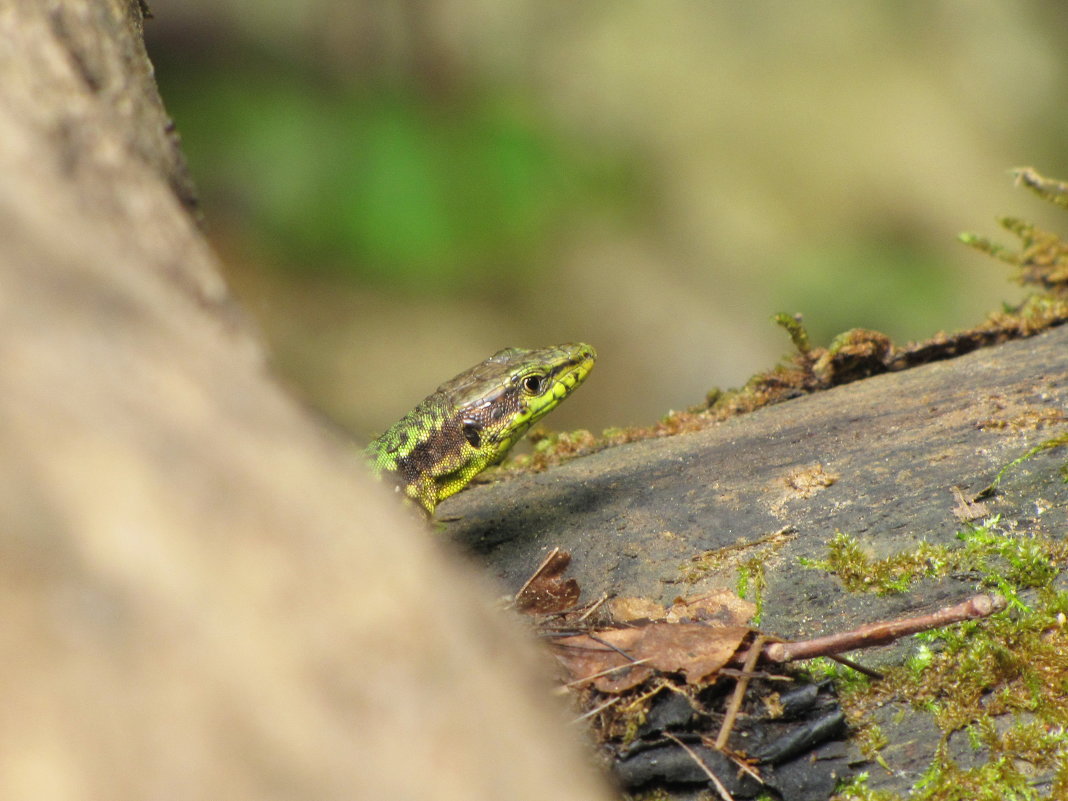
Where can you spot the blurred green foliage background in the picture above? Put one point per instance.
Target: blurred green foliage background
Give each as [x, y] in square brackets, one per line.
[400, 189]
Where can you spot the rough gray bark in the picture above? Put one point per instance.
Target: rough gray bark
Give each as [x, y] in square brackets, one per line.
[897, 445]
[201, 596]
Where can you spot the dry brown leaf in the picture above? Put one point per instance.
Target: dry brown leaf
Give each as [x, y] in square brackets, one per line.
[591, 656]
[547, 591]
[695, 650]
[717, 606]
[626, 610]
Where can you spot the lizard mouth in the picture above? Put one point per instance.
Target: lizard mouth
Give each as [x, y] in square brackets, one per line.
[574, 371]
[570, 371]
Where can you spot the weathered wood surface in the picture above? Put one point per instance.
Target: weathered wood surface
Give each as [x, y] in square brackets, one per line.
[898, 444]
[201, 595]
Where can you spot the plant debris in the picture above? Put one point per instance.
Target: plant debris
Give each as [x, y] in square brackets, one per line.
[648, 678]
[547, 591]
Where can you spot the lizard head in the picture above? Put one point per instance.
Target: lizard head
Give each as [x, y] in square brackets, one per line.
[500, 399]
[472, 421]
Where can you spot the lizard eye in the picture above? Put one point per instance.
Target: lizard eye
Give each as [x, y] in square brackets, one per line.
[533, 384]
[473, 434]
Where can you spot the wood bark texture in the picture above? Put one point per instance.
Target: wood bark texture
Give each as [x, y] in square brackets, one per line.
[884, 459]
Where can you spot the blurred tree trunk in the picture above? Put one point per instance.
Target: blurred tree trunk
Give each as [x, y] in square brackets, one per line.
[201, 595]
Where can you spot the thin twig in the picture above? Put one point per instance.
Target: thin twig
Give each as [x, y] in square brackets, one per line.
[739, 692]
[743, 766]
[601, 708]
[606, 672]
[883, 632]
[615, 648]
[849, 663]
[593, 607]
[723, 793]
[737, 673]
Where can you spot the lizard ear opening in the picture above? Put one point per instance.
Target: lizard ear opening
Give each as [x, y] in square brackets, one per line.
[473, 434]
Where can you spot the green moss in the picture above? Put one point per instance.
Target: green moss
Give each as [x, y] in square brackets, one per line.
[856, 789]
[1042, 257]
[1006, 560]
[796, 329]
[752, 584]
[996, 780]
[1001, 681]
[849, 684]
[859, 572]
[870, 739]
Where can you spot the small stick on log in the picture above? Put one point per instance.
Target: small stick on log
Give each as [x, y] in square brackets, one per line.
[849, 663]
[739, 692]
[883, 632]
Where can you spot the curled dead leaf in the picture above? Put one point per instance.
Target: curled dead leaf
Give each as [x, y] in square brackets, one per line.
[615, 660]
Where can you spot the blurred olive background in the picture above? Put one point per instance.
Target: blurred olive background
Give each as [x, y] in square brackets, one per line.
[401, 188]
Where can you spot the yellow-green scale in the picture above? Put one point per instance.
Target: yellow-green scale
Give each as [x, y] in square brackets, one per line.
[472, 421]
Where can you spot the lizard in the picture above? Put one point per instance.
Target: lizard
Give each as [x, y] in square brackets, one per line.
[472, 421]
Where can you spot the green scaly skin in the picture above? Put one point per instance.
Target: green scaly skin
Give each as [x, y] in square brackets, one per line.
[472, 421]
